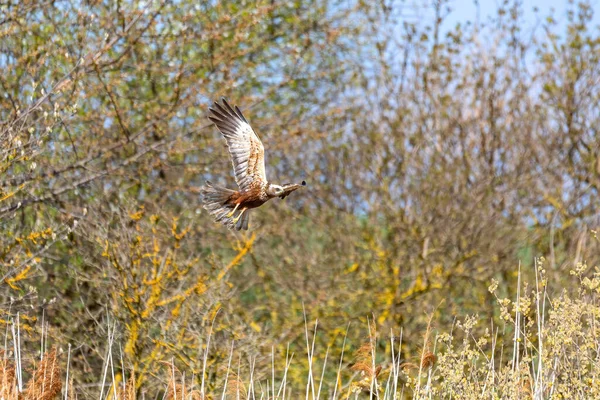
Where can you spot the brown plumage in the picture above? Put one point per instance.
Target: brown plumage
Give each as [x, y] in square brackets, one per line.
[231, 207]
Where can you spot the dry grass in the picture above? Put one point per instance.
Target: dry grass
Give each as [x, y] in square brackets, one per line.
[8, 380]
[128, 391]
[365, 364]
[546, 348]
[177, 388]
[46, 382]
[236, 388]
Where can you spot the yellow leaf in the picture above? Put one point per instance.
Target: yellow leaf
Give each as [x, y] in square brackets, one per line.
[255, 326]
[351, 268]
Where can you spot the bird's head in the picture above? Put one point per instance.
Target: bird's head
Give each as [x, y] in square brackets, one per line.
[274, 190]
[289, 188]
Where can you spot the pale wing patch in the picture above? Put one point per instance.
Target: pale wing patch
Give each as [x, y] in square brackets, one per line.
[246, 149]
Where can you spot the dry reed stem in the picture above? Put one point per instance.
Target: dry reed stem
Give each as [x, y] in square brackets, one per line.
[71, 395]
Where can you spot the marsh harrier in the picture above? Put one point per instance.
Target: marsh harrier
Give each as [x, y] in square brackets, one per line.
[248, 158]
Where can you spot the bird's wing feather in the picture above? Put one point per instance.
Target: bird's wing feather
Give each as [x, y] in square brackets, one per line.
[246, 149]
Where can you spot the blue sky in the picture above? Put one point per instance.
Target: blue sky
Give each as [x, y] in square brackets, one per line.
[463, 10]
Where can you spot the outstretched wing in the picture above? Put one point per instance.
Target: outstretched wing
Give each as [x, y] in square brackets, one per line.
[246, 149]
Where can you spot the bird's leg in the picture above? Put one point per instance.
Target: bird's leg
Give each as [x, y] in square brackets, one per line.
[236, 219]
[233, 212]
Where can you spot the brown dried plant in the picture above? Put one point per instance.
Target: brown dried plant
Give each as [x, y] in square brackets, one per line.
[72, 395]
[428, 359]
[365, 364]
[364, 361]
[524, 384]
[178, 391]
[46, 382]
[8, 381]
[128, 391]
[236, 388]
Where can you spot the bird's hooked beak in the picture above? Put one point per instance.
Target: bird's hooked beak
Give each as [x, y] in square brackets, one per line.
[290, 187]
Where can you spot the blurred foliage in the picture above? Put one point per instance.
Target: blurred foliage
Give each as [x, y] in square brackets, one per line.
[438, 157]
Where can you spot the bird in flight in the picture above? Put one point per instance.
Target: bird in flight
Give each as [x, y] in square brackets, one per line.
[248, 158]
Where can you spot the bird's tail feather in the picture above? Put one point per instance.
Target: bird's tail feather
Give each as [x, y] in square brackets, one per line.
[214, 200]
[243, 221]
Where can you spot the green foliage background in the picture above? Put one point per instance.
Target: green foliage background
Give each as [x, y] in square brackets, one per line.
[437, 159]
